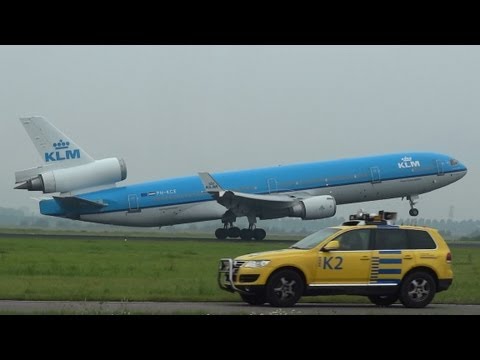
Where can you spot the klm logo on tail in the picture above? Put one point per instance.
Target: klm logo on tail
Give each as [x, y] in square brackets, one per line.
[408, 163]
[62, 152]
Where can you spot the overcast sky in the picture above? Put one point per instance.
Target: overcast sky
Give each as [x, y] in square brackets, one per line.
[176, 110]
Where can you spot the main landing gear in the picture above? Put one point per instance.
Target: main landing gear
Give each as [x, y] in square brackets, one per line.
[413, 211]
[233, 232]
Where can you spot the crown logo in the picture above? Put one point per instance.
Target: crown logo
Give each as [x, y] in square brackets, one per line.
[406, 158]
[61, 145]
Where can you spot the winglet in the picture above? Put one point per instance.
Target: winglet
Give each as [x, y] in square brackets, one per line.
[211, 186]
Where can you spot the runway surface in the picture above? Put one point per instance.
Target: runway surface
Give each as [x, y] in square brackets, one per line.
[220, 308]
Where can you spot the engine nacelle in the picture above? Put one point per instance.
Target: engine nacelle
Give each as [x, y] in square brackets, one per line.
[97, 173]
[317, 207]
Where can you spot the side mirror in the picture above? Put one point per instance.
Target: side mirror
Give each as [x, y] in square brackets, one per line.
[332, 245]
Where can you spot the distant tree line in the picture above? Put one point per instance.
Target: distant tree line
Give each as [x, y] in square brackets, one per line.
[25, 218]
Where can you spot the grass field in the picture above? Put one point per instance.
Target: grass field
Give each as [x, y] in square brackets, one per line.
[156, 270]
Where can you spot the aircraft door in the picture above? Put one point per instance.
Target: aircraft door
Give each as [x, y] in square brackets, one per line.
[133, 203]
[375, 171]
[440, 169]
[272, 185]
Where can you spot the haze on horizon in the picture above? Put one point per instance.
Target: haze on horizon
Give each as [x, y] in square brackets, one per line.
[175, 110]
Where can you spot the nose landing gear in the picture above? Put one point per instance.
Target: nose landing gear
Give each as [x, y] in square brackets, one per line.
[413, 211]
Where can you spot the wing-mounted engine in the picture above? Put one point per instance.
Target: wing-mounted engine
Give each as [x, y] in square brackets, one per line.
[96, 173]
[317, 207]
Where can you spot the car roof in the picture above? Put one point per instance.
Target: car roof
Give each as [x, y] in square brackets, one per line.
[382, 226]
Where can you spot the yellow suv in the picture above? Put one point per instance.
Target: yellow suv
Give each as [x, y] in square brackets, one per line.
[364, 256]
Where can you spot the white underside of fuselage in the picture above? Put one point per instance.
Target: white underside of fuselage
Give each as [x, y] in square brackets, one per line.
[211, 210]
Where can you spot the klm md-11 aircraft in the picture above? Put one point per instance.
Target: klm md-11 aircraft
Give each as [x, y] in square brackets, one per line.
[86, 188]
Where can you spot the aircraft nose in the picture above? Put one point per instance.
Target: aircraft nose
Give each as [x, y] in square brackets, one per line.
[458, 167]
[463, 169]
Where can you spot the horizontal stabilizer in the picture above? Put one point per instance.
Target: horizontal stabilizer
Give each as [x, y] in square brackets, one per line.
[74, 202]
[27, 174]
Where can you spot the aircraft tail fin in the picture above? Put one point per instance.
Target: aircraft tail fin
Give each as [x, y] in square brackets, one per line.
[54, 147]
[66, 168]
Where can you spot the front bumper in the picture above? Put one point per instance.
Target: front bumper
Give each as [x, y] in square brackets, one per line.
[226, 275]
[229, 278]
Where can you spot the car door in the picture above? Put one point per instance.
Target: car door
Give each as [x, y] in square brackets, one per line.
[391, 257]
[423, 248]
[350, 264]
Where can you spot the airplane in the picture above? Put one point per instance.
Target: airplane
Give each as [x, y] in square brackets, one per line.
[86, 189]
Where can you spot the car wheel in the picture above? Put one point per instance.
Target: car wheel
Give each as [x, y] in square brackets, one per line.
[417, 289]
[254, 299]
[284, 288]
[383, 300]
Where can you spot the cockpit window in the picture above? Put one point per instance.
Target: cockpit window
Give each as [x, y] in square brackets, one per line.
[453, 162]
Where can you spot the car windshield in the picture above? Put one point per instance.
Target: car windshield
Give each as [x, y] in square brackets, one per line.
[314, 239]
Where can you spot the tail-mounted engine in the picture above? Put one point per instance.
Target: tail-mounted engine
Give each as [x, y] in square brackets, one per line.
[96, 173]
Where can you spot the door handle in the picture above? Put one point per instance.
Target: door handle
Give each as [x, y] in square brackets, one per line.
[365, 258]
[408, 257]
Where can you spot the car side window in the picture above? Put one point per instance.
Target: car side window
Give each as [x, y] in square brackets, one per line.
[421, 240]
[354, 240]
[390, 239]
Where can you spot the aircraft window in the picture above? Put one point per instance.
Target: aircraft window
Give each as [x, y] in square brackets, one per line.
[391, 239]
[354, 240]
[453, 162]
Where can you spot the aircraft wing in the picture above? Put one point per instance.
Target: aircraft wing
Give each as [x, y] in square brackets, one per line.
[245, 201]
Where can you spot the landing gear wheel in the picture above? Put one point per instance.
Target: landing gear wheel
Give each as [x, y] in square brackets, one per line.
[284, 288]
[383, 300]
[246, 234]
[221, 233]
[417, 290]
[254, 299]
[233, 232]
[413, 212]
[259, 234]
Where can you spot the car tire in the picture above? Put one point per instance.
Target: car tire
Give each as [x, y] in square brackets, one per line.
[383, 300]
[417, 289]
[284, 288]
[254, 299]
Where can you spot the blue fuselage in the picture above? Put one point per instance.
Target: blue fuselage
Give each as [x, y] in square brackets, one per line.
[348, 180]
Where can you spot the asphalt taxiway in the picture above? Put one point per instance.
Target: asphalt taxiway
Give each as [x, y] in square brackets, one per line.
[221, 308]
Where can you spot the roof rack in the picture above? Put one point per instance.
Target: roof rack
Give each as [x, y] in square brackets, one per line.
[363, 218]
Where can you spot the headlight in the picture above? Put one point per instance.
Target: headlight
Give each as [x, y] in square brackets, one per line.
[256, 263]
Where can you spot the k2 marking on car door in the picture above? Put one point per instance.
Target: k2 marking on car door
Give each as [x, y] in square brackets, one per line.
[350, 264]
